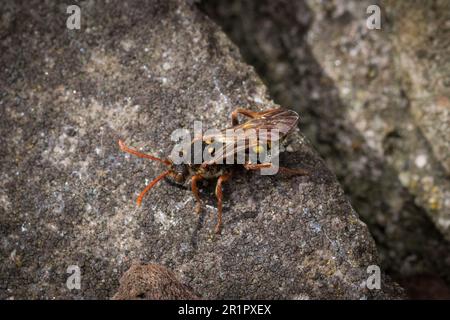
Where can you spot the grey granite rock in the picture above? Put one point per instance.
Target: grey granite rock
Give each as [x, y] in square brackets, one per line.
[137, 70]
[374, 104]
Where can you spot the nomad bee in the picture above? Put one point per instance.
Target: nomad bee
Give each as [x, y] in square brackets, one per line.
[280, 120]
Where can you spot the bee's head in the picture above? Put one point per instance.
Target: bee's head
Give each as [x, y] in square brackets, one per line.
[178, 172]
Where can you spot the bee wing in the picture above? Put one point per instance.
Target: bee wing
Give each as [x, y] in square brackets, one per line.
[280, 119]
[248, 135]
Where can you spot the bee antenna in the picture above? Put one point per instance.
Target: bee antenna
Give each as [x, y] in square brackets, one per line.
[126, 149]
[151, 185]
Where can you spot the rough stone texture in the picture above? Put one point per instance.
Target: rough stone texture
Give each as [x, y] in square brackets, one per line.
[138, 70]
[151, 282]
[374, 104]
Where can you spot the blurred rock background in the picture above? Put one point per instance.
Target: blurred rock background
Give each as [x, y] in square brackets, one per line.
[375, 104]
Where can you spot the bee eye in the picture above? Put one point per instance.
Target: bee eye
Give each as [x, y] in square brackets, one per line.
[258, 149]
[179, 178]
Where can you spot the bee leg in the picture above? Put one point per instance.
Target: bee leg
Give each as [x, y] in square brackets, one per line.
[289, 171]
[256, 166]
[219, 196]
[293, 172]
[194, 188]
[244, 112]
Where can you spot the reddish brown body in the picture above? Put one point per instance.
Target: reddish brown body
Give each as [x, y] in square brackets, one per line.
[280, 119]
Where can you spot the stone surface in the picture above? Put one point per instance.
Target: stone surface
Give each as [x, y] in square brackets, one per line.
[138, 70]
[374, 104]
